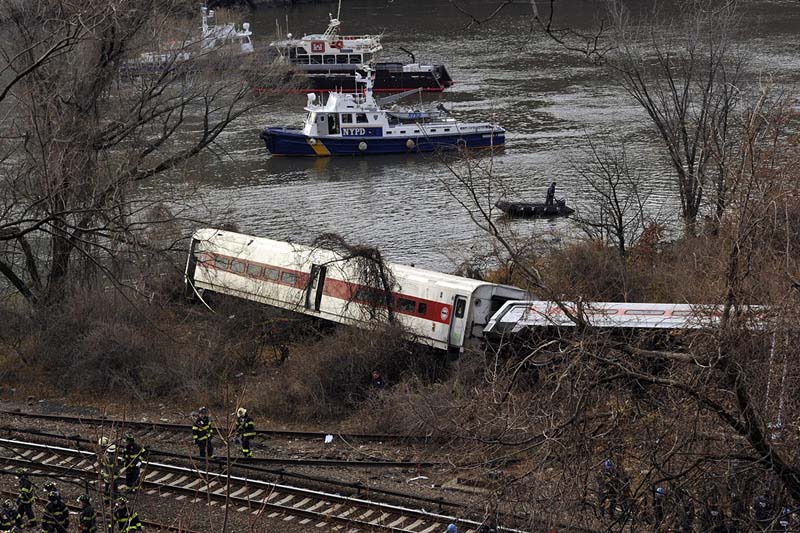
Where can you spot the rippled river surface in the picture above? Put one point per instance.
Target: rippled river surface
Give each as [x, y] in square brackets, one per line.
[549, 100]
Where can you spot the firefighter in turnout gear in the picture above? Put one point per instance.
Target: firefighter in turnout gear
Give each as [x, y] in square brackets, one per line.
[55, 518]
[125, 519]
[132, 461]
[8, 517]
[88, 518]
[202, 432]
[109, 469]
[25, 499]
[245, 430]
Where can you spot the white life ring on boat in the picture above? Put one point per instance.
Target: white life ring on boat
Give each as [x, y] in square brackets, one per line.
[410, 144]
[362, 146]
[312, 142]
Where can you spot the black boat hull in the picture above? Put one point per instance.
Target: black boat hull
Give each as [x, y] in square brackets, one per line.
[534, 210]
[389, 78]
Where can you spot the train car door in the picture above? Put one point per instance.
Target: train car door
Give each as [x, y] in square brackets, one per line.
[315, 286]
[457, 324]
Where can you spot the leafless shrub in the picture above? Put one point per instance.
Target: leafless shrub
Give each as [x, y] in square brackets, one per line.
[331, 378]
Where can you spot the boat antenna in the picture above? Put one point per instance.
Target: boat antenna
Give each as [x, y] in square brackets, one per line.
[339, 11]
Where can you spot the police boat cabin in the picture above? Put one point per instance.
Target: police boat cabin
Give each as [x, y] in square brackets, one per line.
[353, 124]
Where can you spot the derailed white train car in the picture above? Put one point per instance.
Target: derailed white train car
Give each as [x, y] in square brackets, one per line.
[446, 312]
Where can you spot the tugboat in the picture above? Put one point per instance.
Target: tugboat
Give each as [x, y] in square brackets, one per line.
[352, 124]
[535, 210]
[329, 62]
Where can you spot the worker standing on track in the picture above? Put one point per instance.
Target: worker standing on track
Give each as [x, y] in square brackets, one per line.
[245, 430]
[25, 516]
[125, 519]
[55, 518]
[87, 522]
[8, 517]
[109, 469]
[202, 432]
[132, 462]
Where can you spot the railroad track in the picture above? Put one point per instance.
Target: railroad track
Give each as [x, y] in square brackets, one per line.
[170, 427]
[261, 498]
[76, 442]
[356, 463]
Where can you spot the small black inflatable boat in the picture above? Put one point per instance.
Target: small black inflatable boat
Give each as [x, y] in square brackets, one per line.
[534, 210]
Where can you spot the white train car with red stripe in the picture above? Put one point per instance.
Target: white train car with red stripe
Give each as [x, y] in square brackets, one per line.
[444, 311]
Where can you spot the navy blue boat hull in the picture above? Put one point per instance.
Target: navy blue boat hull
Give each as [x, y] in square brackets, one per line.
[284, 141]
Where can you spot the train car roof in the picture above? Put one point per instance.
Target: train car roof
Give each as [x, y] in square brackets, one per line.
[238, 242]
[516, 316]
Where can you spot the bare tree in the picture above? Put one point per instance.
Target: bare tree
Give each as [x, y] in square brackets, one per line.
[90, 119]
[616, 213]
[686, 76]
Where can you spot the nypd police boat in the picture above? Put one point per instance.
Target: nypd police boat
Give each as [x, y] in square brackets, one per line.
[354, 124]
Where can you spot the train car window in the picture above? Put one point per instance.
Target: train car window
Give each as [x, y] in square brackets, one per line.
[329, 59]
[254, 270]
[238, 266]
[341, 59]
[355, 59]
[409, 306]
[272, 274]
[461, 306]
[316, 60]
[222, 262]
[422, 309]
[288, 277]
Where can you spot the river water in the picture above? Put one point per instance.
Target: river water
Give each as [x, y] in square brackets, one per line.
[550, 101]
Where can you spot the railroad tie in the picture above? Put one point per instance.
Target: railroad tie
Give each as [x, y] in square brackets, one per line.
[238, 492]
[301, 502]
[398, 521]
[416, 524]
[430, 529]
[332, 510]
[380, 519]
[288, 498]
[316, 506]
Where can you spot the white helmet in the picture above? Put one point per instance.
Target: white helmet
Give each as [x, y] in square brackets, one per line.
[241, 411]
[102, 442]
[111, 449]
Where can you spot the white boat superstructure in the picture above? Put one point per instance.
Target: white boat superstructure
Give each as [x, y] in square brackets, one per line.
[328, 48]
[360, 115]
[213, 37]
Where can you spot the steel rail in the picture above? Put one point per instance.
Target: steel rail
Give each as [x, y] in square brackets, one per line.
[226, 494]
[187, 427]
